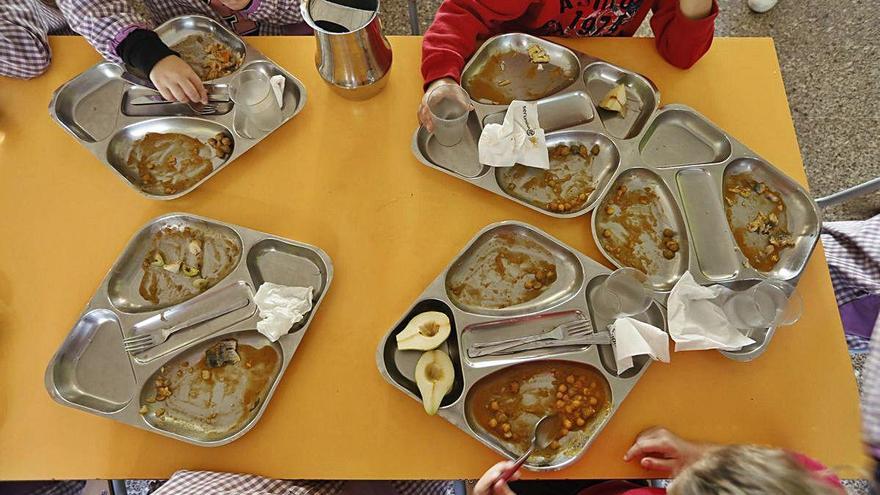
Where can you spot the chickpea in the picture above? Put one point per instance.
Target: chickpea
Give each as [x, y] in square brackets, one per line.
[550, 274]
[560, 404]
[563, 432]
[493, 423]
[539, 275]
[566, 423]
[668, 233]
[508, 435]
[672, 246]
[593, 401]
[576, 404]
[668, 254]
[563, 388]
[494, 405]
[580, 422]
[551, 206]
[528, 284]
[558, 395]
[537, 285]
[592, 385]
[566, 398]
[570, 379]
[568, 409]
[514, 387]
[502, 417]
[554, 445]
[505, 427]
[143, 410]
[585, 391]
[609, 210]
[606, 233]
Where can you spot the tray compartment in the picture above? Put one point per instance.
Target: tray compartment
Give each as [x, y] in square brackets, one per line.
[292, 99]
[483, 72]
[515, 328]
[681, 137]
[653, 316]
[216, 408]
[557, 112]
[124, 281]
[635, 221]
[401, 365]
[121, 143]
[496, 273]
[642, 98]
[801, 216]
[88, 106]
[175, 30]
[541, 389]
[588, 175]
[462, 159]
[90, 369]
[163, 109]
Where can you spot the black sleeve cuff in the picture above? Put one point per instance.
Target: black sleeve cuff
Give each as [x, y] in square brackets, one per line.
[142, 49]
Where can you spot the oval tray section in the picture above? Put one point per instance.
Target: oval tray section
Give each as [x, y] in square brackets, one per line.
[135, 286]
[401, 365]
[680, 137]
[629, 227]
[511, 270]
[213, 404]
[514, 398]
[88, 105]
[501, 70]
[462, 159]
[574, 180]
[90, 369]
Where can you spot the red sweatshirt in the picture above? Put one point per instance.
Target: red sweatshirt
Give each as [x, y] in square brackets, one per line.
[460, 24]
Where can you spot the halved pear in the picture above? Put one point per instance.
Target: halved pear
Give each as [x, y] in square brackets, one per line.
[615, 99]
[424, 332]
[434, 376]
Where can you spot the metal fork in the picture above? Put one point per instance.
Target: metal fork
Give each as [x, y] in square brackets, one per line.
[598, 338]
[151, 338]
[559, 332]
[202, 108]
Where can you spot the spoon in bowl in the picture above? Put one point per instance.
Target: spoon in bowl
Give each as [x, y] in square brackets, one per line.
[546, 430]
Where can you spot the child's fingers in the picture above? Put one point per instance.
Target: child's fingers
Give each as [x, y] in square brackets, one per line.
[657, 464]
[203, 93]
[190, 91]
[165, 92]
[177, 92]
[425, 118]
[500, 488]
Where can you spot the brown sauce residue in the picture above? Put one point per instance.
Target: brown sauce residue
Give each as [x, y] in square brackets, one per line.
[758, 217]
[170, 163]
[566, 186]
[506, 271]
[512, 75]
[209, 58]
[631, 230]
[216, 257]
[214, 401]
[507, 404]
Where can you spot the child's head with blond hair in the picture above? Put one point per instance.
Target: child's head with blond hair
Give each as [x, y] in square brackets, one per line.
[748, 470]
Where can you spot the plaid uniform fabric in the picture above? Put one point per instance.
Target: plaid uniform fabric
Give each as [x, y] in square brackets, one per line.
[210, 483]
[853, 252]
[871, 394]
[24, 48]
[106, 23]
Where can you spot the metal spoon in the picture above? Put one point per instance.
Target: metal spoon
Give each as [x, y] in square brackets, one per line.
[546, 430]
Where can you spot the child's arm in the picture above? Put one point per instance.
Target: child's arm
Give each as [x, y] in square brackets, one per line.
[119, 33]
[453, 35]
[684, 29]
[269, 11]
[24, 49]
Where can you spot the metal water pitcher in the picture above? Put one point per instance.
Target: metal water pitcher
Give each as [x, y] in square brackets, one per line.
[353, 55]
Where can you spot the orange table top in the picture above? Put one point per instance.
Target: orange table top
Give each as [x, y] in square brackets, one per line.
[341, 176]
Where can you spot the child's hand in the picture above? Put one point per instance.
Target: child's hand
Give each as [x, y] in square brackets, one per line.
[658, 449]
[176, 81]
[424, 112]
[490, 484]
[236, 4]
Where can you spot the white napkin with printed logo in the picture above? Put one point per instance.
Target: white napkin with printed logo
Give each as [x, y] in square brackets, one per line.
[518, 140]
[631, 337]
[696, 320]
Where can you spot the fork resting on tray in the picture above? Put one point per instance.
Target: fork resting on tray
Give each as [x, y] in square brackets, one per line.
[576, 332]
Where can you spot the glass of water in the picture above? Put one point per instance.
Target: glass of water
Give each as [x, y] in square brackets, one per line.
[624, 293]
[252, 94]
[449, 105]
[763, 305]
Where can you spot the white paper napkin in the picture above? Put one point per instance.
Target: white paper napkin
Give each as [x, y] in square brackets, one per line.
[631, 337]
[518, 140]
[696, 320]
[280, 307]
[277, 82]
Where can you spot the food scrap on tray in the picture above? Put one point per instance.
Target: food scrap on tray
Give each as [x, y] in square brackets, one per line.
[171, 163]
[632, 230]
[615, 100]
[566, 186]
[513, 75]
[209, 58]
[216, 395]
[506, 271]
[508, 403]
[758, 217]
[182, 262]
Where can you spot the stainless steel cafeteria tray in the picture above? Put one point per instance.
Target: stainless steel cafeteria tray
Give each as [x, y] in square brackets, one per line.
[91, 371]
[673, 148]
[95, 107]
[577, 277]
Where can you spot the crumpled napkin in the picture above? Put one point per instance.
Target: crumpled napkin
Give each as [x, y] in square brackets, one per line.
[518, 140]
[696, 320]
[631, 337]
[277, 82]
[280, 307]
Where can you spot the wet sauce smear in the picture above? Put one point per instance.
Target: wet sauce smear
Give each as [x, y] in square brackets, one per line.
[209, 58]
[169, 163]
[565, 187]
[633, 229]
[505, 271]
[508, 403]
[175, 270]
[213, 402]
[512, 75]
[758, 218]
